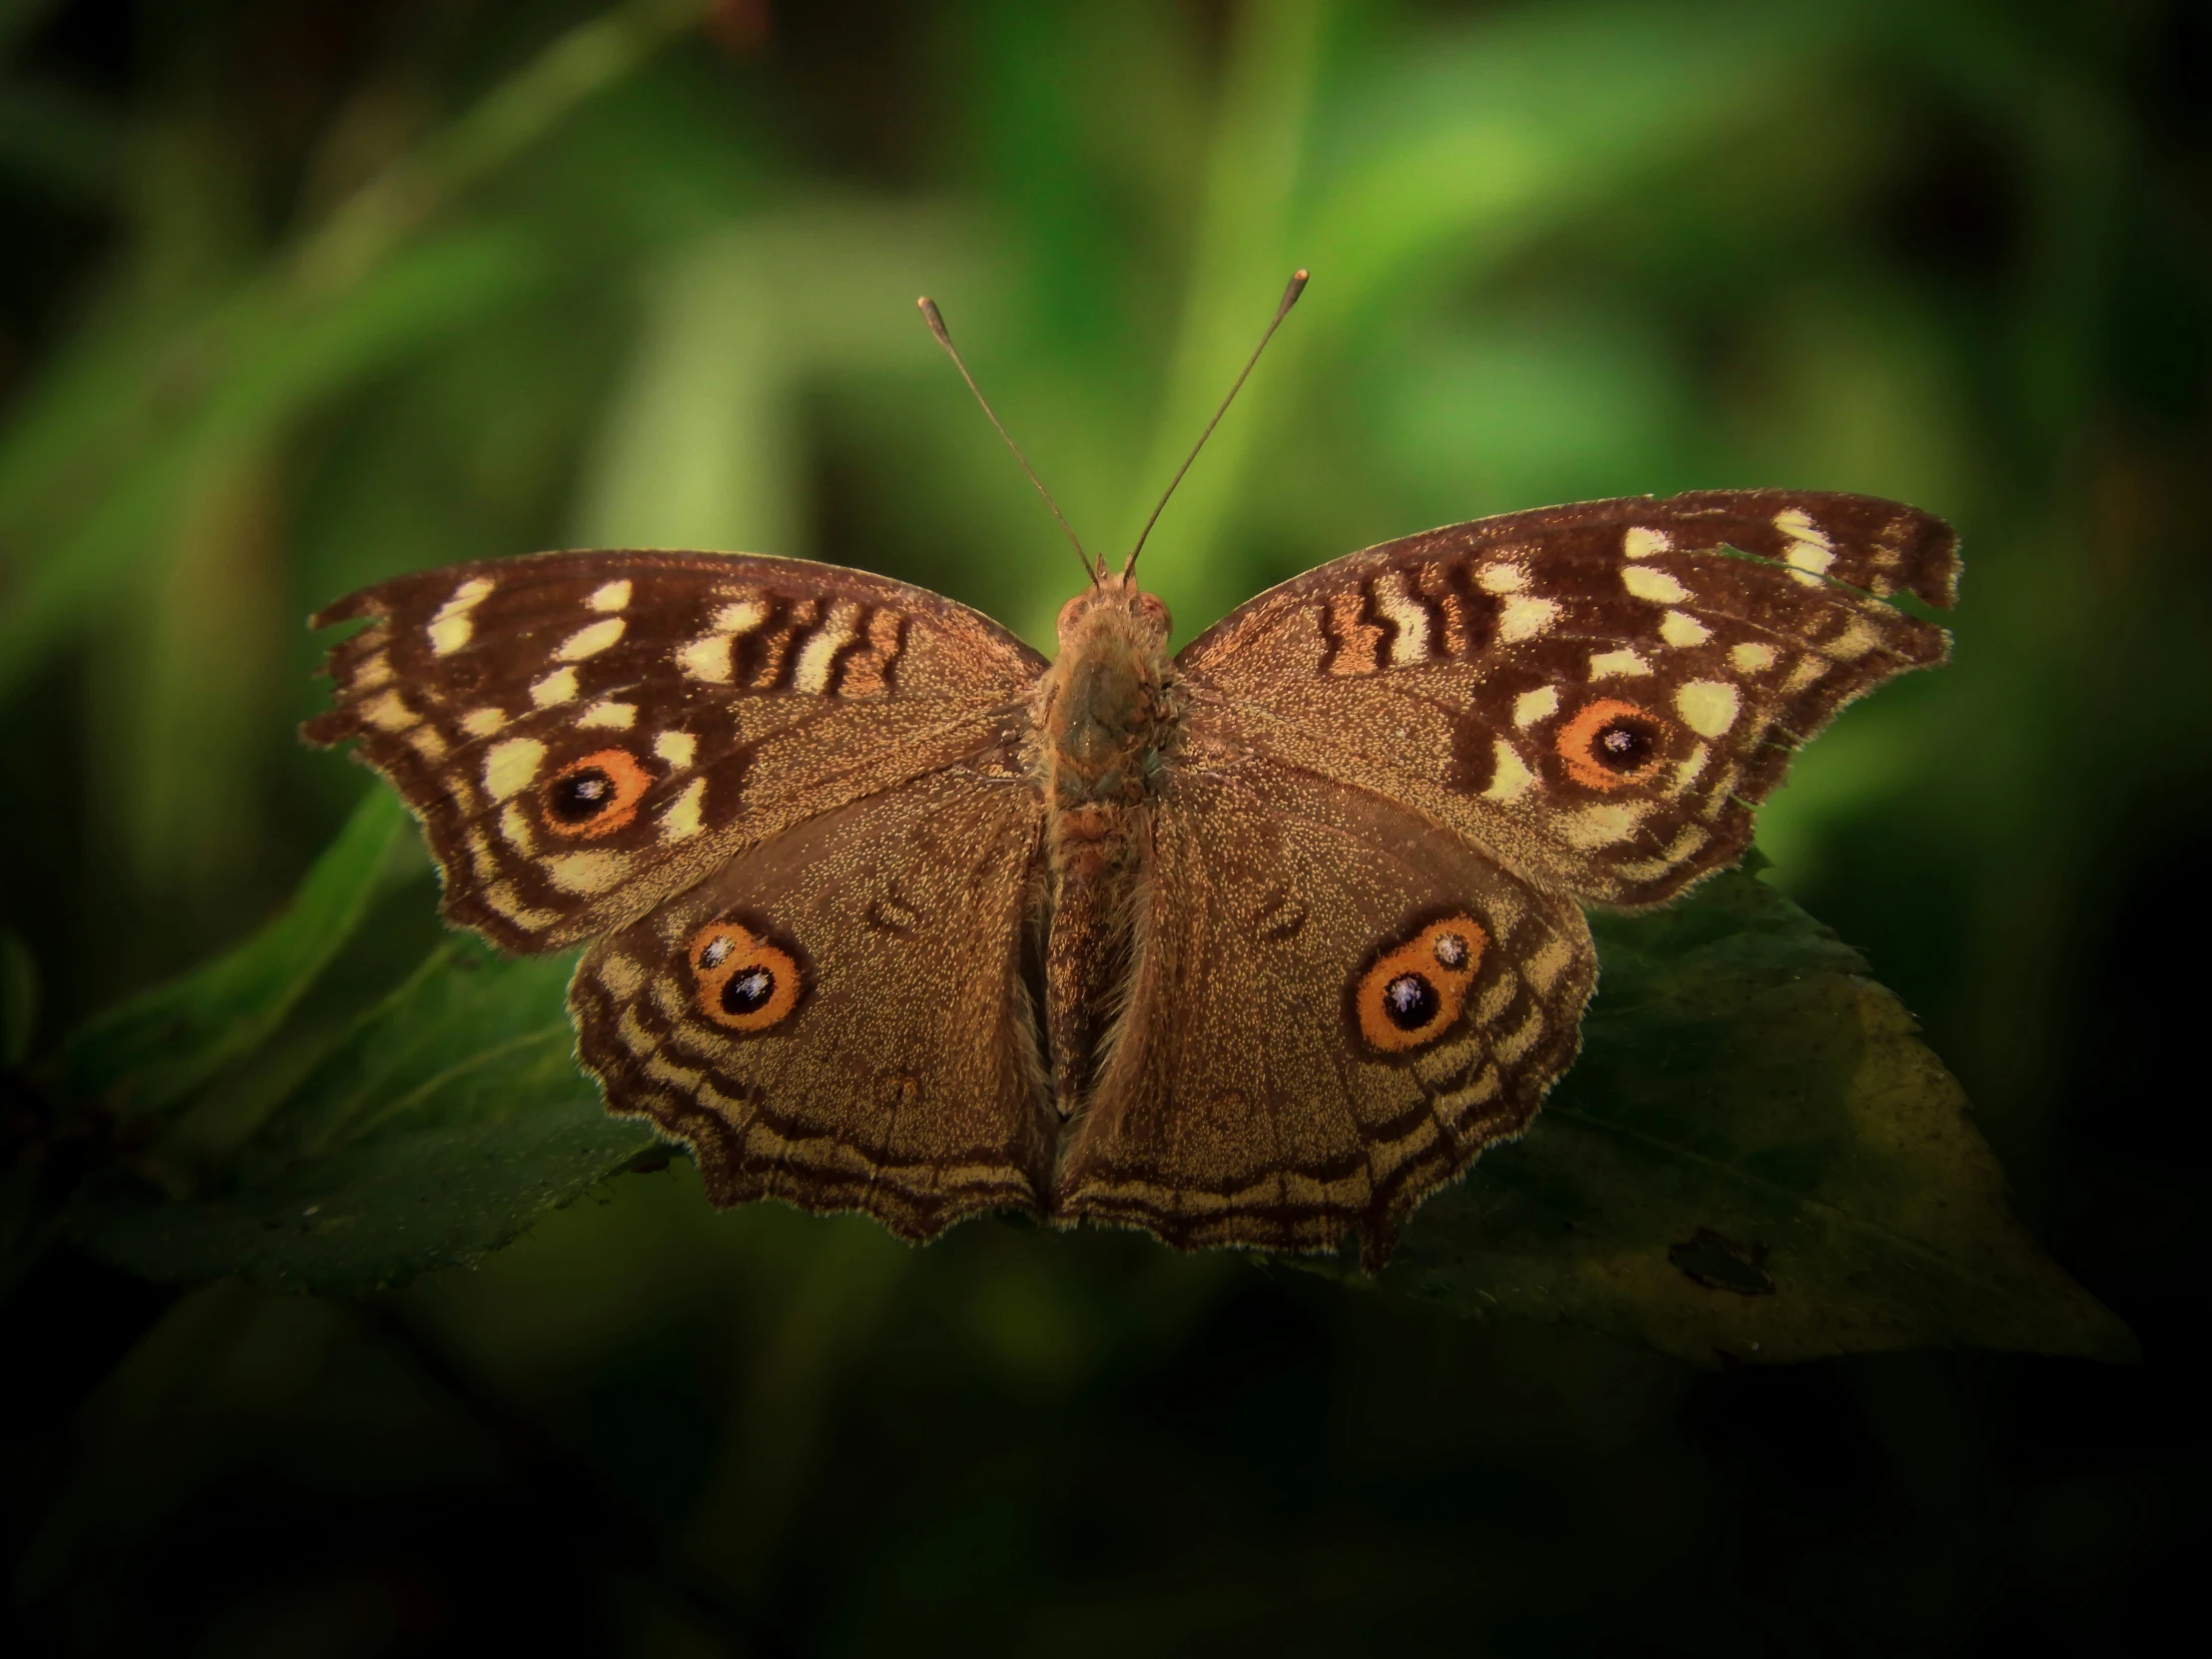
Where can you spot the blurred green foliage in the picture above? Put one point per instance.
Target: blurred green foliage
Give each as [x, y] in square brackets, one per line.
[299, 297]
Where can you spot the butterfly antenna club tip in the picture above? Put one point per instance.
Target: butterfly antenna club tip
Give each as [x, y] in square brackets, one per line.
[1291, 290]
[935, 318]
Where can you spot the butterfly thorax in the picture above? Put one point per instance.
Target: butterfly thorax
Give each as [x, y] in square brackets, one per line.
[1105, 724]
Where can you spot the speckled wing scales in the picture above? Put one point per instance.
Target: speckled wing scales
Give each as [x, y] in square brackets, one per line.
[584, 735]
[1596, 694]
[1334, 1007]
[838, 1017]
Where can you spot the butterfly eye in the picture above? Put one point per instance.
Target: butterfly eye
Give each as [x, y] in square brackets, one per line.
[1610, 744]
[1412, 992]
[745, 981]
[595, 796]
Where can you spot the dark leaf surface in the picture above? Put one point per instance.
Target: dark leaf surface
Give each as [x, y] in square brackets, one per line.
[449, 1120]
[152, 1051]
[1755, 1158]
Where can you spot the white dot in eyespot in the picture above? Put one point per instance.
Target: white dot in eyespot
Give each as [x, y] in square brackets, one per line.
[717, 951]
[1452, 950]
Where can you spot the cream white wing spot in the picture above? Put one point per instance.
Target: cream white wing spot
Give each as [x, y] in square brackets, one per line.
[1808, 668]
[630, 1030]
[1716, 800]
[707, 658]
[1693, 837]
[618, 717]
[680, 1078]
[509, 766]
[1526, 618]
[373, 671]
[481, 858]
[451, 628]
[1857, 639]
[610, 596]
[1590, 828]
[676, 747]
[424, 741]
[590, 640]
[1650, 582]
[1534, 706]
[504, 900]
[586, 872]
[1410, 644]
[1751, 657]
[1509, 774]
[682, 819]
[1641, 542]
[1707, 706]
[1682, 630]
[712, 655]
[810, 674]
[550, 690]
[1693, 764]
[1621, 663]
[1502, 576]
[388, 711]
[483, 723]
[1810, 552]
[514, 824]
[621, 975]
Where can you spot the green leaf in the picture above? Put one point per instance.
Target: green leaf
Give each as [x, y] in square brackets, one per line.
[154, 1051]
[1755, 1158]
[450, 1119]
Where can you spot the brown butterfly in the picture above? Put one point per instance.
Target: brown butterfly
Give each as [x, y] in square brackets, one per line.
[1254, 945]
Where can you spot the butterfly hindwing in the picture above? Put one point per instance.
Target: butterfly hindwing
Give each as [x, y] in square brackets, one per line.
[838, 1017]
[1333, 1006]
[1597, 693]
[585, 734]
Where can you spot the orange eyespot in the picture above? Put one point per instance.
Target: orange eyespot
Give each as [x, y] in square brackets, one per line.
[1412, 993]
[745, 981]
[1612, 745]
[595, 796]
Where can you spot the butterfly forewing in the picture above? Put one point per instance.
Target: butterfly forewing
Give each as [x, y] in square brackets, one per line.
[585, 734]
[1597, 692]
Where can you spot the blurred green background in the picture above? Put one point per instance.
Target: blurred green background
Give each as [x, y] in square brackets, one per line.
[298, 295]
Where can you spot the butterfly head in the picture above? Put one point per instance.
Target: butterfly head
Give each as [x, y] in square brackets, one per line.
[1115, 609]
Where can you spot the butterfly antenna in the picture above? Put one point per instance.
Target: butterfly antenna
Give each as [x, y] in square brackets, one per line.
[935, 318]
[1289, 298]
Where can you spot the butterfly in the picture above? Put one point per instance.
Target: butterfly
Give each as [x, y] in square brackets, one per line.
[1254, 945]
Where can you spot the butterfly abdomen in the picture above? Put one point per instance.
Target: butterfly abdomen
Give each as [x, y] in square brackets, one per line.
[1107, 718]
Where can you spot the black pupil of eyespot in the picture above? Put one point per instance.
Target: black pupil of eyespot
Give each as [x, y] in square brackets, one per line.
[1411, 1001]
[1624, 746]
[747, 992]
[581, 794]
